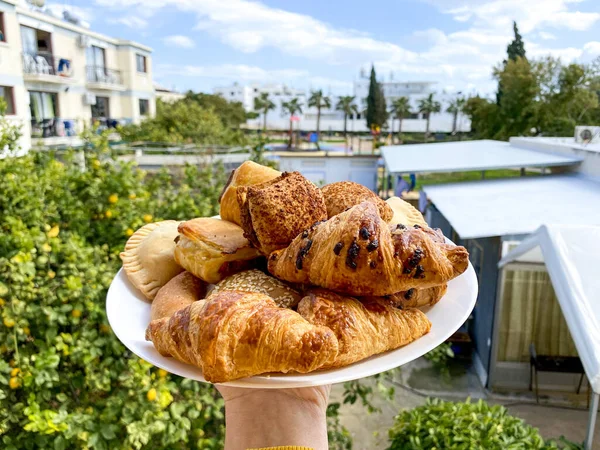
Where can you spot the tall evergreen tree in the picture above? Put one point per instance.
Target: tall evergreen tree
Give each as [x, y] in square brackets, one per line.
[516, 49]
[376, 109]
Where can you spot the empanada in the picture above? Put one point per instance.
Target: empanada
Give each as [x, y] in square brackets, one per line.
[405, 213]
[148, 258]
[179, 292]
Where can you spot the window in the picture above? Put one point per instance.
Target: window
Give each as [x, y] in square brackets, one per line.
[140, 62]
[6, 92]
[2, 29]
[44, 110]
[100, 110]
[144, 107]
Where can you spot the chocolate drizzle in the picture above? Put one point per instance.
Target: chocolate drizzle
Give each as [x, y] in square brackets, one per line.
[373, 245]
[352, 254]
[338, 248]
[420, 272]
[302, 253]
[364, 233]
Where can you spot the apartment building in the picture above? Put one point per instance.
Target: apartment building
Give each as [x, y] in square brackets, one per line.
[333, 120]
[58, 76]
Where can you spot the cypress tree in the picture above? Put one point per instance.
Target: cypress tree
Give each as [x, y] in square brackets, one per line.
[514, 50]
[376, 109]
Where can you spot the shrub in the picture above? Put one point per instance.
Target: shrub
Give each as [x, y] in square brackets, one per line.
[448, 425]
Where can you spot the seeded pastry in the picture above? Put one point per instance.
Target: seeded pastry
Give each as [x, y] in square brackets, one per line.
[343, 195]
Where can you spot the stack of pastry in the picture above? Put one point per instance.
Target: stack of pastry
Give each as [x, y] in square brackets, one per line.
[291, 278]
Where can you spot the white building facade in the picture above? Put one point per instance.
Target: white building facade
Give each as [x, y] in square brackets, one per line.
[333, 120]
[58, 76]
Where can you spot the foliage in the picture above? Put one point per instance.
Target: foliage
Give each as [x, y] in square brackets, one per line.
[448, 425]
[455, 108]
[65, 380]
[338, 436]
[232, 114]
[291, 107]
[428, 106]
[10, 132]
[516, 49]
[264, 104]
[319, 101]
[257, 153]
[183, 121]
[440, 357]
[400, 109]
[376, 114]
[348, 107]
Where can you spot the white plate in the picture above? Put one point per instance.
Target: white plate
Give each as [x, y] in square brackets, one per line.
[129, 314]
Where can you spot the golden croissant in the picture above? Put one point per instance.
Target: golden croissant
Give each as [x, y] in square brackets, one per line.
[357, 253]
[363, 327]
[239, 334]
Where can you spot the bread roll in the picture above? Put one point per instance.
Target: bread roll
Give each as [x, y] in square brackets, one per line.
[178, 293]
[343, 195]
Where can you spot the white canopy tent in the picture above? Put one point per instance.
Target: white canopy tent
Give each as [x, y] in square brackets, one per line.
[572, 258]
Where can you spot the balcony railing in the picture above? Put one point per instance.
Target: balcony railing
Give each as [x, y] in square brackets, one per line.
[100, 74]
[47, 64]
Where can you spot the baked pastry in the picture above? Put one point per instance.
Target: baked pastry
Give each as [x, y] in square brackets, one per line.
[275, 212]
[258, 281]
[148, 258]
[213, 249]
[248, 174]
[178, 293]
[405, 213]
[363, 328]
[239, 334]
[417, 298]
[356, 253]
[343, 195]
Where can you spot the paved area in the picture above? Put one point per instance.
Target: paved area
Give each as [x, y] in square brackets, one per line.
[420, 380]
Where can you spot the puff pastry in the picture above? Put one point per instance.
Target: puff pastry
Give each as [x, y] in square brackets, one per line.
[248, 174]
[363, 328]
[179, 292]
[213, 249]
[356, 253]
[343, 195]
[258, 281]
[148, 259]
[239, 334]
[405, 213]
[417, 298]
[275, 212]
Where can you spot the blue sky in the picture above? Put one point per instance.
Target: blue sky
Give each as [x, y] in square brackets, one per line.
[200, 44]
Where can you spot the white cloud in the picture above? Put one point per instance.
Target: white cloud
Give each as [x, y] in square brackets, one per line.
[232, 72]
[546, 36]
[179, 40]
[56, 9]
[137, 23]
[593, 48]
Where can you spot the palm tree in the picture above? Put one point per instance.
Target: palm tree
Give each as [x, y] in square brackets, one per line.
[429, 106]
[291, 107]
[455, 108]
[347, 106]
[400, 109]
[318, 100]
[263, 104]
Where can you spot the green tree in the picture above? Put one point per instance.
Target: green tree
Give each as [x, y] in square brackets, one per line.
[428, 106]
[376, 112]
[400, 109]
[319, 101]
[291, 107]
[483, 114]
[348, 107]
[10, 132]
[514, 50]
[263, 104]
[455, 108]
[232, 114]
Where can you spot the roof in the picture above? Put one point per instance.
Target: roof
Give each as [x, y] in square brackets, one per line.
[572, 257]
[466, 156]
[554, 144]
[516, 205]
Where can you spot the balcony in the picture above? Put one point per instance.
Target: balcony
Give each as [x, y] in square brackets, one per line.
[99, 77]
[45, 67]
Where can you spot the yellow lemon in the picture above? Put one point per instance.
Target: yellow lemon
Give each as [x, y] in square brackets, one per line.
[14, 383]
[162, 373]
[76, 313]
[9, 323]
[2, 302]
[147, 218]
[27, 331]
[128, 232]
[51, 274]
[96, 163]
[47, 247]
[108, 214]
[53, 231]
[15, 372]
[114, 198]
[151, 395]
[132, 196]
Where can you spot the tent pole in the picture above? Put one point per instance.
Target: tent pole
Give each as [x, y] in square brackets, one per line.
[592, 421]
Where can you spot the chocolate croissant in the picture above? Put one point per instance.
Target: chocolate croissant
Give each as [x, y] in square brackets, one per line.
[363, 327]
[239, 334]
[357, 253]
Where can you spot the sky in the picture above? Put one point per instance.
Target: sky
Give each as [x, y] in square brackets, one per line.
[311, 44]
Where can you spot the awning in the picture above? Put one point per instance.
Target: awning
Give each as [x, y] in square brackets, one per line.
[468, 156]
[572, 258]
[517, 205]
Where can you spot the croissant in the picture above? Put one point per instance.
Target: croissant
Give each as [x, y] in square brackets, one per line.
[240, 334]
[363, 328]
[416, 298]
[356, 253]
